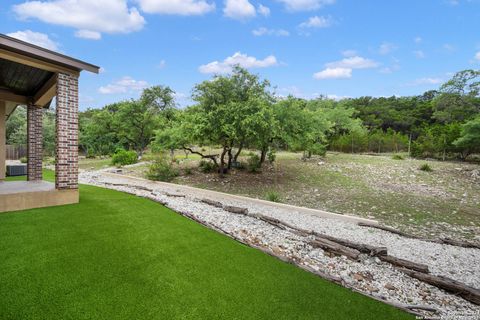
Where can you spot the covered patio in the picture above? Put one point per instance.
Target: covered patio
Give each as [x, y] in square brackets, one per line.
[33, 76]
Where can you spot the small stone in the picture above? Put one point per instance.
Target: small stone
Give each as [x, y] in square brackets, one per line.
[371, 289]
[277, 250]
[358, 277]
[390, 286]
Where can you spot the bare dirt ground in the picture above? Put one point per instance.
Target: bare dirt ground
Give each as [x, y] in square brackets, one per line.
[441, 203]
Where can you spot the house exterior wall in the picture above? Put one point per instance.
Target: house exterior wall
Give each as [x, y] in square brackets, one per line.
[34, 142]
[3, 151]
[66, 166]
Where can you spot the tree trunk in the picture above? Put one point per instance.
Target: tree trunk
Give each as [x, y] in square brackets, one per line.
[237, 154]
[409, 144]
[212, 157]
[263, 155]
[444, 147]
[230, 156]
[352, 143]
[222, 161]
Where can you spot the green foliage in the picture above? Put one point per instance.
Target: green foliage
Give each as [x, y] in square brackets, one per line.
[90, 154]
[188, 171]
[238, 111]
[16, 129]
[437, 141]
[129, 124]
[48, 132]
[459, 98]
[207, 166]
[425, 167]
[273, 196]
[271, 155]
[123, 157]
[469, 140]
[373, 141]
[23, 160]
[162, 169]
[16, 126]
[253, 163]
[398, 157]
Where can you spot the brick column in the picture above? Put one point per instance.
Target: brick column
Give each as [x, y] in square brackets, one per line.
[35, 143]
[66, 166]
[3, 151]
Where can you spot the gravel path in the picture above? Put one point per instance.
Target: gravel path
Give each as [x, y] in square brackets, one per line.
[370, 275]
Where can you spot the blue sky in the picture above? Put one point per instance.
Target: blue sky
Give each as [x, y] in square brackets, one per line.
[340, 48]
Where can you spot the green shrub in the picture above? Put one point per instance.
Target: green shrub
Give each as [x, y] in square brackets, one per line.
[207, 166]
[425, 167]
[90, 154]
[398, 157]
[123, 157]
[273, 196]
[271, 155]
[162, 170]
[23, 160]
[188, 171]
[253, 163]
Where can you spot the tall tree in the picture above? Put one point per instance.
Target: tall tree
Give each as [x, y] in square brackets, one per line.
[469, 141]
[459, 97]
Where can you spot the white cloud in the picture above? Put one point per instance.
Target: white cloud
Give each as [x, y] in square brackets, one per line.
[240, 59]
[102, 70]
[448, 47]
[355, 62]
[418, 40]
[87, 16]
[317, 22]
[270, 32]
[162, 64]
[349, 53]
[124, 85]
[263, 10]
[178, 7]
[425, 81]
[477, 56]
[386, 48]
[453, 2]
[36, 38]
[419, 54]
[305, 5]
[333, 73]
[239, 9]
[337, 97]
[342, 69]
[85, 34]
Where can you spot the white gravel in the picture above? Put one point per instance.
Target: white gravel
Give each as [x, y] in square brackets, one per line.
[370, 275]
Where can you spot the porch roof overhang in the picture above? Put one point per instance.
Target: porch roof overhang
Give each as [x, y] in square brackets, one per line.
[27, 72]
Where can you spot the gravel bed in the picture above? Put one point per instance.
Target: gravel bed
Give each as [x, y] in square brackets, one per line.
[370, 275]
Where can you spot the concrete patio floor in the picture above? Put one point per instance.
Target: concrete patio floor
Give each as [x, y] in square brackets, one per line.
[12, 187]
[22, 195]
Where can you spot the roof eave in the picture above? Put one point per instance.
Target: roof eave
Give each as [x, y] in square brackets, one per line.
[34, 51]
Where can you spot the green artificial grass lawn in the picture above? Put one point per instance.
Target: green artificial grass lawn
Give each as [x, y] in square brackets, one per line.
[117, 256]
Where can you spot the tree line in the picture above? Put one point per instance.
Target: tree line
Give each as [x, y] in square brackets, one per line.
[241, 111]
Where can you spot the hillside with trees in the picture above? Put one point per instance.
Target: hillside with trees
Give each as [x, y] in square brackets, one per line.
[240, 111]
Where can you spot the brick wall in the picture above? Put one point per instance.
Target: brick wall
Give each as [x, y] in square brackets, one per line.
[66, 166]
[35, 141]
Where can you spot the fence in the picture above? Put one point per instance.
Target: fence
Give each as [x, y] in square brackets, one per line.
[15, 152]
